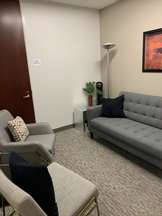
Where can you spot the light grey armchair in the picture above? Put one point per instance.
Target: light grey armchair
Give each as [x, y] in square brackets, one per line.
[38, 148]
[75, 195]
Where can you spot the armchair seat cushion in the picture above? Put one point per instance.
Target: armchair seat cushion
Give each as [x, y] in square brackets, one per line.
[72, 191]
[47, 140]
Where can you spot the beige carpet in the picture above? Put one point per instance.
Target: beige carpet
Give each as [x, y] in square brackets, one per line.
[128, 186]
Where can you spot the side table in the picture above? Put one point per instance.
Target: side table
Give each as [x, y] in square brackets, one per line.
[80, 118]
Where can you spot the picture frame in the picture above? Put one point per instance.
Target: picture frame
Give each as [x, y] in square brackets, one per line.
[152, 51]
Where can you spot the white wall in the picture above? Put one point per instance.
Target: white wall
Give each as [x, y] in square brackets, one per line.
[67, 40]
[123, 23]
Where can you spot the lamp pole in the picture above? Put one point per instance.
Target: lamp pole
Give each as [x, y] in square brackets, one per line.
[107, 73]
[108, 46]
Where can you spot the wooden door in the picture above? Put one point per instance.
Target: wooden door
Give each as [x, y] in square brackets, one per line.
[15, 89]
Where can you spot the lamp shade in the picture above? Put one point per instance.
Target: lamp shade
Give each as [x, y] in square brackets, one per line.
[108, 45]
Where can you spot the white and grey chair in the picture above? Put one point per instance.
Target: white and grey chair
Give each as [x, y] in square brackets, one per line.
[38, 148]
[75, 196]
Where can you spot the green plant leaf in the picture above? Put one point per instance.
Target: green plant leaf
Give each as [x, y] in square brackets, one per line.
[90, 88]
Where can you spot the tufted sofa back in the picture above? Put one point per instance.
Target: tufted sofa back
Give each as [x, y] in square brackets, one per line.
[143, 108]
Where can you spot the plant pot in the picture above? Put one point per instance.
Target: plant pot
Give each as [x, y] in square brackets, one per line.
[90, 100]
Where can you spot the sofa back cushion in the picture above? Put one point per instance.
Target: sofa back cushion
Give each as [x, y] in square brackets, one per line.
[5, 135]
[146, 109]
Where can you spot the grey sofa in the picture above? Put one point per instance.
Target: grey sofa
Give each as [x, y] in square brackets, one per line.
[140, 133]
[38, 148]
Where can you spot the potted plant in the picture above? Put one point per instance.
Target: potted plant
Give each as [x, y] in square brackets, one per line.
[90, 89]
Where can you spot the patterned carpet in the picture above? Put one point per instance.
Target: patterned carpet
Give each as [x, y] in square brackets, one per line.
[128, 186]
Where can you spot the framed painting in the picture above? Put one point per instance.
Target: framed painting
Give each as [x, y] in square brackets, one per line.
[152, 51]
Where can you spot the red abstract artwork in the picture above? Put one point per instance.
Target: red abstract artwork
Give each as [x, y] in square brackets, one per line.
[152, 51]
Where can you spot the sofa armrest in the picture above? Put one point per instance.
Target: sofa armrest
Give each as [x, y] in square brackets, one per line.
[93, 112]
[39, 128]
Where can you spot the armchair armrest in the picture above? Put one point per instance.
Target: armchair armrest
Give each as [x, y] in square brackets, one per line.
[93, 112]
[26, 148]
[39, 128]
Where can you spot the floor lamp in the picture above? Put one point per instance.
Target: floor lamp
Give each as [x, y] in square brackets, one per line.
[108, 46]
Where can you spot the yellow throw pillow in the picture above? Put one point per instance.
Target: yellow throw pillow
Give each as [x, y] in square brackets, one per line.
[18, 129]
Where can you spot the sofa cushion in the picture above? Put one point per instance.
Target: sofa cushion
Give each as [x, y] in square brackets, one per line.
[136, 134]
[112, 108]
[18, 129]
[35, 180]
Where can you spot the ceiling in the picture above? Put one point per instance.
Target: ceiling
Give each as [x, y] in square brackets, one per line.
[95, 4]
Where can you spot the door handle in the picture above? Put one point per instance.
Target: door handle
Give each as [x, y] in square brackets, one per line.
[27, 96]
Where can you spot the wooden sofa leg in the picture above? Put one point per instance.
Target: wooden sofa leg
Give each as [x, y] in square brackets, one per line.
[91, 135]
